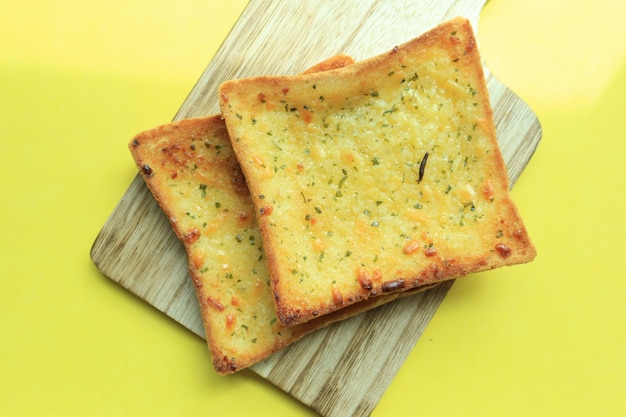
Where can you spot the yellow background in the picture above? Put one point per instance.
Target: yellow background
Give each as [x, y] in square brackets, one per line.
[79, 78]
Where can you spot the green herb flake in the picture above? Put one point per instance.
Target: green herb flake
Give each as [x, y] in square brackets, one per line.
[342, 181]
[393, 109]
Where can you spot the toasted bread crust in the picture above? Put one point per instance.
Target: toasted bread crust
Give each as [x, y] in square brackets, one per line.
[376, 178]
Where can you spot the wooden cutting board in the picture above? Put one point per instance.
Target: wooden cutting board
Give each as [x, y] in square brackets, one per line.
[343, 369]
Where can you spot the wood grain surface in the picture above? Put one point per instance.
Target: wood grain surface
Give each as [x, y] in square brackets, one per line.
[345, 368]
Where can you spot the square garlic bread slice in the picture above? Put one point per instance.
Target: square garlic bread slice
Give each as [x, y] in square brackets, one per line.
[189, 167]
[378, 177]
